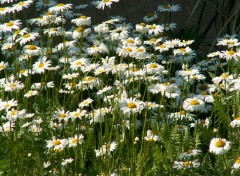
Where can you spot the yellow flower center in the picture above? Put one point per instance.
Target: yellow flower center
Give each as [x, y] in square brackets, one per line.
[203, 87]
[182, 50]
[238, 160]
[153, 40]
[231, 52]
[167, 6]
[62, 115]
[7, 106]
[152, 27]
[1, 66]
[166, 84]
[13, 85]
[9, 24]
[153, 65]
[150, 139]
[149, 15]
[26, 36]
[132, 105]
[204, 93]
[128, 50]
[74, 141]
[56, 142]
[194, 102]
[41, 65]
[60, 5]
[2, 9]
[142, 24]
[83, 17]
[72, 84]
[162, 46]
[134, 69]
[131, 41]
[220, 143]
[21, 3]
[32, 47]
[106, 1]
[49, 13]
[76, 114]
[237, 118]
[189, 151]
[186, 164]
[79, 63]
[182, 112]
[14, 112]
[46, 2]
[224, 75]
[90, 78]
[80, 29]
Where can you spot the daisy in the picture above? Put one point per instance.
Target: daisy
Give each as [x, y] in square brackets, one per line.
[154, 68]
[62, 115]
[82, 21]
[150, 17]
[53, 31]
[154, 29]
[12, 85]
[169, 26]
[201, 122]
[193, 104]
[186, 164]
[235, 122]
[32, 50]
[81, 32]
[67, 161]
[41, 65]
[3, 65]
[121, 32]
[57, 144]
[131, 105]
[131, 42]
[27, 38]
[43, 85]
[74, 141]
[45, 4]
[8, 104]
[185, 43]
[169, 8]
[229, 42]
[97, 49]
[102, 3]
[4, 11]
[7, 127]
[190, 154]
[77, 114]
[31, 93]
[70, 76]
[125, 51]
[60, 8]
[106, 149]
[49, 17]
[219, 146]
[230, 54]
[85, 103]
[101, 28]
[141, 28]
[161, 47]
[21, 5]
[236, 165]
[151, 137]
[10, 26]
[181, 115]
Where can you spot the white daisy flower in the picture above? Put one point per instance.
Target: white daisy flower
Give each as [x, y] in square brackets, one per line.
[106, 149]
[219, 146]
[151, 137]
[193, 104]
[102, 3]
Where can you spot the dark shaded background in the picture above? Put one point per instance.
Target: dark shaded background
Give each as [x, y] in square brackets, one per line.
[201, 20]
